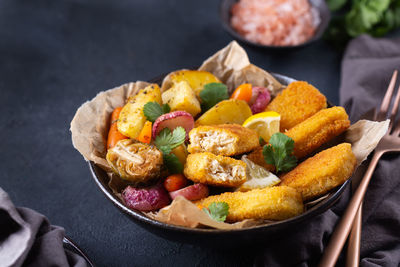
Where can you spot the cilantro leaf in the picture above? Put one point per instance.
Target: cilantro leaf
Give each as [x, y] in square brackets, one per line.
[153, 110]
[173, 164]
[165, 142]
[165, 139]
[279, 152]
[261, 141]
[212, 94]
[217, 211]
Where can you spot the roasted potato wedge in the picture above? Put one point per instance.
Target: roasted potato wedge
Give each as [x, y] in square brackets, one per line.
[227, 111]
[195, 78]
[131, 119]
[181, 97]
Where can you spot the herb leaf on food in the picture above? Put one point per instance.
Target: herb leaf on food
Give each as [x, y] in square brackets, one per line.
[279, 152]
[153, 110]
[212, 94]
[217, 211]
[173, 164]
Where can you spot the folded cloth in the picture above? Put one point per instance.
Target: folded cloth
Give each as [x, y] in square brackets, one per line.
[27, 239]
[367, 66]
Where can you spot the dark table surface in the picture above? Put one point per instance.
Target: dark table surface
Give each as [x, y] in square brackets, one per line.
[55, 55]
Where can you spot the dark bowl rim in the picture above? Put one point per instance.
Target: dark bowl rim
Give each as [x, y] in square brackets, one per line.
[320, 208]
[318, 34]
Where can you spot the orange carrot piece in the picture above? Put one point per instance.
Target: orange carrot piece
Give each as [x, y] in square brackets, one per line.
[145, 133]
[114, 135]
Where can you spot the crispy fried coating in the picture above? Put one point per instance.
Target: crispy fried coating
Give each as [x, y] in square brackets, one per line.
[257, 157]
[222, 139]
[317, 175]
[299, 101]
[270, 203]
[208, 168]
[318, 129]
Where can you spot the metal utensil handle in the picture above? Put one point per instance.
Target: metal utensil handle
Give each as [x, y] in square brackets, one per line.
[342, 230]
[353, 247]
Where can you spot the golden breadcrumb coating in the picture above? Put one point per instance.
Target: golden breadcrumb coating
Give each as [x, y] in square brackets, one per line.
[299, 101]
[208, 168]
[222, 139]
[257, 157]
[270, 203]
[317, 175]
[318, 129]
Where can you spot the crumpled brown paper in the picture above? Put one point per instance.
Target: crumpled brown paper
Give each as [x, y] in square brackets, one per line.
[89, 129]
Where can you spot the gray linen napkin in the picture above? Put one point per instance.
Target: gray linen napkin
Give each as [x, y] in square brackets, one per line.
[367, 66]
[27, 239]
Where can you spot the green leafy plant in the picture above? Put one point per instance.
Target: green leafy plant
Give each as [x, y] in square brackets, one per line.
[279, 152]
[217, 211]
[212, 94]
[165, 142]
[153, 110]
[374, 17]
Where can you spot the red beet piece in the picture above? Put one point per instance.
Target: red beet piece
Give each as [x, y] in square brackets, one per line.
[146, 199]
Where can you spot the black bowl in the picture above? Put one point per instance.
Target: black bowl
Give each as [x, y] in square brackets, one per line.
[320, 5]
[214, 237]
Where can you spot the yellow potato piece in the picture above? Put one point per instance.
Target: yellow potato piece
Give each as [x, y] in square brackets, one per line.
[181, 97]
[131, 119]
[195, 78]
[226, 111]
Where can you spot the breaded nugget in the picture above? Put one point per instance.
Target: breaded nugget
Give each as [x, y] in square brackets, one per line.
[222, 139]
[317, 175]
[257, 157]
[299, 101]
[270, 203]
[208, 168]
[318, 129]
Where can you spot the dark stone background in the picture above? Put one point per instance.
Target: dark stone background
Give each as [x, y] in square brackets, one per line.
[56, 54]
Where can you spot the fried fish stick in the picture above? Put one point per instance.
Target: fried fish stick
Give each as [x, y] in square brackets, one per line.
[223, 139]
[257, 157]
[208, 168]
[318, 129]
[317, 175]
[270, 203]
[299, 101]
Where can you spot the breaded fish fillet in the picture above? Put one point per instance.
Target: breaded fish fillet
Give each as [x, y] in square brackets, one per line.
[317, 175]
[270, 203]
[299, 101]
[257, 157]
[223, 139]
[208, 168]
[318, 129]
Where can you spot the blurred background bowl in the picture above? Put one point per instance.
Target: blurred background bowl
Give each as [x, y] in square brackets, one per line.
[214, 237]
[319, 5]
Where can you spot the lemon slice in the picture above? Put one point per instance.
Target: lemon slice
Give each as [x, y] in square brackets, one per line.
[257, 176]
[264, 123]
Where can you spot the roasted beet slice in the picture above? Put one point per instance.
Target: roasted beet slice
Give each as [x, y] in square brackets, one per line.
[172, 120]
[146, 199]
[260, 99]
[191, 192]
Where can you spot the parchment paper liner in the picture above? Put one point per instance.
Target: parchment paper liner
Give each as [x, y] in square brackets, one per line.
[89, 129]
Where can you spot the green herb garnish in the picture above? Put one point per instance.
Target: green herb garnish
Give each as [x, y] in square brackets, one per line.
[212, 94]
[165, 142]
[173, 164]
[153, 110]
[261, 141]
[217, 211]
[375, 17]
[279, 152]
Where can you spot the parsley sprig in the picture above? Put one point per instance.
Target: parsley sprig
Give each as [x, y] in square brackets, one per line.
[212, 94]
[153, 110]
[217, 211]
[166, 141]
[279, 152]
